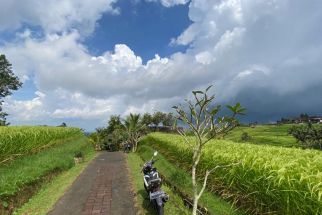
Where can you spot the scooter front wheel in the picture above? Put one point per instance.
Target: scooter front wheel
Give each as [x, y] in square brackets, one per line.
[159, 208]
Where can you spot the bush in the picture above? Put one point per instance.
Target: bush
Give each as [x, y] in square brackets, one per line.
[245, 137]
[78, 154]
[308, 136]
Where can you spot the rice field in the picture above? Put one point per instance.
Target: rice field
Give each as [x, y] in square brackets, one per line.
[276, 135]
[265, 180]
[21, 140]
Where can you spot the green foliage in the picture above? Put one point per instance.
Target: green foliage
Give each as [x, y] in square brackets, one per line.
[202, 117]
[309, 135]
[157, 118]
[276, 135]
[21, 140]
[174, 207]
[78, 154]
[111, 136]
[245, 137]
[268, 179]
[8, 83]
[146, 119]
[134, 129]
[114, 123]
[29, 169]
[50, 193]
[168, 119]
[182, 181]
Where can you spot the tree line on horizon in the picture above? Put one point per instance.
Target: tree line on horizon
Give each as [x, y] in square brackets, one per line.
[128, 130]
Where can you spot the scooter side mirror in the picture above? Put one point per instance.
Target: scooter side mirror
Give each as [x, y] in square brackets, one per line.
[155, 153]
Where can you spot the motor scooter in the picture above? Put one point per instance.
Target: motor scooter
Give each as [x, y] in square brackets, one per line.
[152, 184]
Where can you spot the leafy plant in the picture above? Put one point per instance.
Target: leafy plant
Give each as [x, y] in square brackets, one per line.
[8, 83]
[309, 136]
[134, 129]
[245, 137]
[78, 154]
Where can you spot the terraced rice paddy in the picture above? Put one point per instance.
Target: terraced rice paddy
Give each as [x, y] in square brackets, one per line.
[270, 179]
[21, 140]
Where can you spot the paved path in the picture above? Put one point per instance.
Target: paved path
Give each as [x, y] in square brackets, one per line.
[103, 188]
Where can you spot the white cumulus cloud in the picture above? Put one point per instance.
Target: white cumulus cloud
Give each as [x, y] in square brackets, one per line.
[54, 16]
[266, 54]
[170, 3]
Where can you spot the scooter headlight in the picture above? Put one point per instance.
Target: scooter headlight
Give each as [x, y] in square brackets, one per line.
[165, 197]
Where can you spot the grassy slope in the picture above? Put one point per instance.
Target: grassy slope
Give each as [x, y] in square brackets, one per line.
[21, 140]
[49, 194]
[269, 178]
[182, 180]
[265, 134]
[174, 207]
[27, 170]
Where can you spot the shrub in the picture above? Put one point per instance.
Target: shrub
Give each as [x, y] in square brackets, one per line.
[78, 154]
[245, 137]
[309, 136]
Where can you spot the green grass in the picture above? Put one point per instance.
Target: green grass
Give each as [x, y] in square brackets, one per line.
[275, 135]
[174, 207]
[21, 140]
[50, 193]
[29, 170]
[268, 179]
[182, 180]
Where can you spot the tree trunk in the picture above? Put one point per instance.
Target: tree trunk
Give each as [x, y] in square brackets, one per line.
[195, 191]
[196, 158]
[135, 145]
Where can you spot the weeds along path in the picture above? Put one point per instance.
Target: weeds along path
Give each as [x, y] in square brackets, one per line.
[103, 188]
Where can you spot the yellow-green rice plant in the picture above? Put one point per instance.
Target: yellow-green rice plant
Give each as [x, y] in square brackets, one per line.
[20, 140]
[268, 179]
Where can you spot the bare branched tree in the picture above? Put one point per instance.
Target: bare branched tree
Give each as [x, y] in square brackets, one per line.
[201, 115]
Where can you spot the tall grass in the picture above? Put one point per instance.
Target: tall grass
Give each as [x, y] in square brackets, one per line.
[20, 140]
[182, 181]
[18, 176]
[276, 135]
[268, 179]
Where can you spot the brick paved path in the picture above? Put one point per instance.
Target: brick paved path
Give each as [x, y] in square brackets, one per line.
[103, 188]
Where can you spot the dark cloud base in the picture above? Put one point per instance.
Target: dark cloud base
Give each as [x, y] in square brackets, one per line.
[265, 107]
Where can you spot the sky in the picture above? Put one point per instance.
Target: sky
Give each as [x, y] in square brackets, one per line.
[82, 61]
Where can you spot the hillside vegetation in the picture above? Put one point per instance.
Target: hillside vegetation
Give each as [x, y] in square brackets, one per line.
[181, 180]
[266, 179]
[276, 135]
[21, 178]
[31, 156]
[20, 140]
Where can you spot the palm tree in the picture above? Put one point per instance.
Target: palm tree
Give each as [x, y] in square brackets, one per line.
[134, 129]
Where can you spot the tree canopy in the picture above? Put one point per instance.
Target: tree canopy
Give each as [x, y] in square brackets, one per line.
[8, 83]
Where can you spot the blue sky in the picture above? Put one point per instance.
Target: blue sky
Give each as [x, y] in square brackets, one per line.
[83, 61]
[145, 27]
